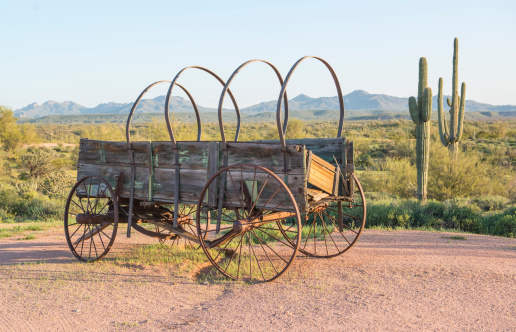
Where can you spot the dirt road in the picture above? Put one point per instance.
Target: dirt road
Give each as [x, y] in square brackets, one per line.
[391, 280]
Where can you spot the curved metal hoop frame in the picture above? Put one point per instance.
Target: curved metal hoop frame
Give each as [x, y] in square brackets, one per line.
[226, 88]
[129, 118]
[169, 94]
[128, 139]
[283, 92]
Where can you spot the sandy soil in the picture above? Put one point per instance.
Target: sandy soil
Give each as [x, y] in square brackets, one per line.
[391, 280]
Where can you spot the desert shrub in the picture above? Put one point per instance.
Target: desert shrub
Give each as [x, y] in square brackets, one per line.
[489, 202]
[6, 217]
[56, 184]
[393, 176]
[412, 214]
[504, 223]
[34, 206]
[35, 163]
[296, 129]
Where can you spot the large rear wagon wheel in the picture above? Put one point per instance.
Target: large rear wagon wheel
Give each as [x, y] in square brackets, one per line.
[249, 244]
[330, 230]
[91, 218]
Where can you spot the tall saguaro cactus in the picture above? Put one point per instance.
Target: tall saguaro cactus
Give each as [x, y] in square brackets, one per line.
[421, 113]
[452, 137]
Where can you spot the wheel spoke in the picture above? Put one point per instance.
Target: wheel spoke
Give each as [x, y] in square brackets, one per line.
[308, 236]
[267, 255]
[288, 245]
[270, 249]
[338, 250]
[343, 224]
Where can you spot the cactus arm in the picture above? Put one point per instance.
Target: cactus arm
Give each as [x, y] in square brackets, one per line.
[426, 115]
[413, 108]
[443, 131]
[462, 100]
[448, 101]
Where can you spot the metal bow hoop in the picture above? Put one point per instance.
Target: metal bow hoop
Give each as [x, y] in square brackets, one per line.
[283, 92]
[129, 118]
[169, 94]
[226, 89]
[129, 149]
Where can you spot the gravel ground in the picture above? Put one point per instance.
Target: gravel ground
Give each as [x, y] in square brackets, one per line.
[390, 280]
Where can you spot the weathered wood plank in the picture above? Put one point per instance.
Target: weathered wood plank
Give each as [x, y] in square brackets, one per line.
[141, 185]
[192, 182]
[192, 155]
[321, 177]
[213, 166]
[325, 148]
[266, 155]
[112, 153]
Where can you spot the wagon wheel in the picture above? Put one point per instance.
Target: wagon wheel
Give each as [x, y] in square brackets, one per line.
[186, 220]
[249, 244]
[324, 235]
[91, 218]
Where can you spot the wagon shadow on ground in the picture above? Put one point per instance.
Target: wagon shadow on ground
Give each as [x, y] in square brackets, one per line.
[30, 252]
[52, 261]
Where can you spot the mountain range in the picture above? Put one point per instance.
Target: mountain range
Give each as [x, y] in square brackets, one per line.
[357, 100]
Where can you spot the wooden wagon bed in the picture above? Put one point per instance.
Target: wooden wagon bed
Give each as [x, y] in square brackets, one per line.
[199, 161]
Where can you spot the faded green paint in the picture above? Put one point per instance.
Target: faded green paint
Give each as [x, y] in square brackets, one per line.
[102, 153]
[184, 155]
[151, 173]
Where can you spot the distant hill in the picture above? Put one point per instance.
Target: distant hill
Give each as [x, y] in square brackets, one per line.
[357, 100]
[157, 104]
[210, 117]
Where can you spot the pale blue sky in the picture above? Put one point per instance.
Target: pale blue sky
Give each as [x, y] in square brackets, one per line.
[92, 52]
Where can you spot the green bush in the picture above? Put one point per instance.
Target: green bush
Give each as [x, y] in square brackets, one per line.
[33, 207]
[489, 202]
[504, 223]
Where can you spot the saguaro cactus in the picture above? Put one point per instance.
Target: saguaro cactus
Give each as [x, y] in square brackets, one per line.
[421, 113]
[452, 137]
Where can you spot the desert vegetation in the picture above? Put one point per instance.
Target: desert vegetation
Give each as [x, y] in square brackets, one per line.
[474, 193]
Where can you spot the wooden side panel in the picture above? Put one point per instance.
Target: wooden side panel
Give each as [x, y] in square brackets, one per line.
[112, 153]
[192, 155]
[266, 155]
[213, 167]
[141, 185]
[192, 182]
[322, 174]
[350, 157]
[325, 148]
[267, 199]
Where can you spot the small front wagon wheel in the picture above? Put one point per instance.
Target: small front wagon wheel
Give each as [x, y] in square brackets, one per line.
[91, 218]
